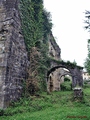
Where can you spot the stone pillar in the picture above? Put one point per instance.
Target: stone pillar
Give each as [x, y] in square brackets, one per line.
[77, 79]
[3, 62]
[78, 93]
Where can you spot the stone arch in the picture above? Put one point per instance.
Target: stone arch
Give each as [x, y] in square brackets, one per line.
[66, 74]
[75, 73]
[56, 67]
[52, 82]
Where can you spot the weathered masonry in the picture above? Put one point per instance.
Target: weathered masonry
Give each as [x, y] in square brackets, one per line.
[13, 55]
[74, 71]
[57, 66]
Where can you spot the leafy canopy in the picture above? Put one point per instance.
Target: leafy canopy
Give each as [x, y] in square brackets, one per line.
[87, 27]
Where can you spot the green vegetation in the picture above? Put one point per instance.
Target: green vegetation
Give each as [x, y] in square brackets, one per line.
[66, 63]
[87, 61]
[87, 16]
[67, 79]
[57, 106]
[86, 84]
[36, 23]
[36, 26]
[66, 85]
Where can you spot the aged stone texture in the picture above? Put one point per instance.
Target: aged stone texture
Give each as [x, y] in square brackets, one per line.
[78, 93]
[55, 52]
[74, 72]
[13, 55]
[56, 71]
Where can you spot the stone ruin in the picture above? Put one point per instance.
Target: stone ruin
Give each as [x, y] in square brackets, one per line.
[56, 70]
[75, 73]
[13, 55]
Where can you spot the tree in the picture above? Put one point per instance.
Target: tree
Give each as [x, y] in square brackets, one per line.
[74, 62]
[87, 61]
[87, 21]
[87, 27]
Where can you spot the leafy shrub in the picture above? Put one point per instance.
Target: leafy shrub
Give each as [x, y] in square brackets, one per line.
[66, 86]
[1, 112]
[86, 84]
[66, 79]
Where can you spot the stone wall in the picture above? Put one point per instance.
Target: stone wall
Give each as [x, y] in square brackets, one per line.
[54, 80]
[13, 55]
[54, 50]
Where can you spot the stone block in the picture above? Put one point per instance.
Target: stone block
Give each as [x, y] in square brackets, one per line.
[78, 93]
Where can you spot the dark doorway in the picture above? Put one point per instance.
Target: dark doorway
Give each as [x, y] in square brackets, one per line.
[51, 84]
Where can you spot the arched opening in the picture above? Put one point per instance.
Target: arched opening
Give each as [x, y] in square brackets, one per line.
[75, 72]
[66, 84]
[55, 76]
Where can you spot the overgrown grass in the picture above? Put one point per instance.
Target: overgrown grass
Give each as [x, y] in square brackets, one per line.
[57, 106]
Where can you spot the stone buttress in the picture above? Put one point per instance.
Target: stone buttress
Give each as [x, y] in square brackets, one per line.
[13, 55]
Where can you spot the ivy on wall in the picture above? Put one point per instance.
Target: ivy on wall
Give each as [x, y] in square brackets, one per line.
[36, 25]
[66, 63]
[31, 16]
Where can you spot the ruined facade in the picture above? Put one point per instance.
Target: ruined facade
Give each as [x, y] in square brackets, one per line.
[57, 71]
[13, 55]
[54, 50]
[74, 71]
[54, 79]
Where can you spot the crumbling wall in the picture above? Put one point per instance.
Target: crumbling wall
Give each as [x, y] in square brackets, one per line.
[54, 50]
[13, 55]
[53, 83]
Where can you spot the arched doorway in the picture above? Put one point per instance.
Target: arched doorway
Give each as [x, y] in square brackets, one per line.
[75, 72]
[66, 84]
[54, 79]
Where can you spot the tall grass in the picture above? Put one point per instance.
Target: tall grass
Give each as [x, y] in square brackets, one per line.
[57, 106]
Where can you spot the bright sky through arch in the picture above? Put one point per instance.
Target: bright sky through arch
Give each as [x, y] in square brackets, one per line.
[68, 27]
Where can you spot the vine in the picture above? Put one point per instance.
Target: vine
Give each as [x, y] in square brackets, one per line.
[36, 25]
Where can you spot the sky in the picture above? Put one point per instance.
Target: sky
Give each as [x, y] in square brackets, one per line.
[68, 27]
